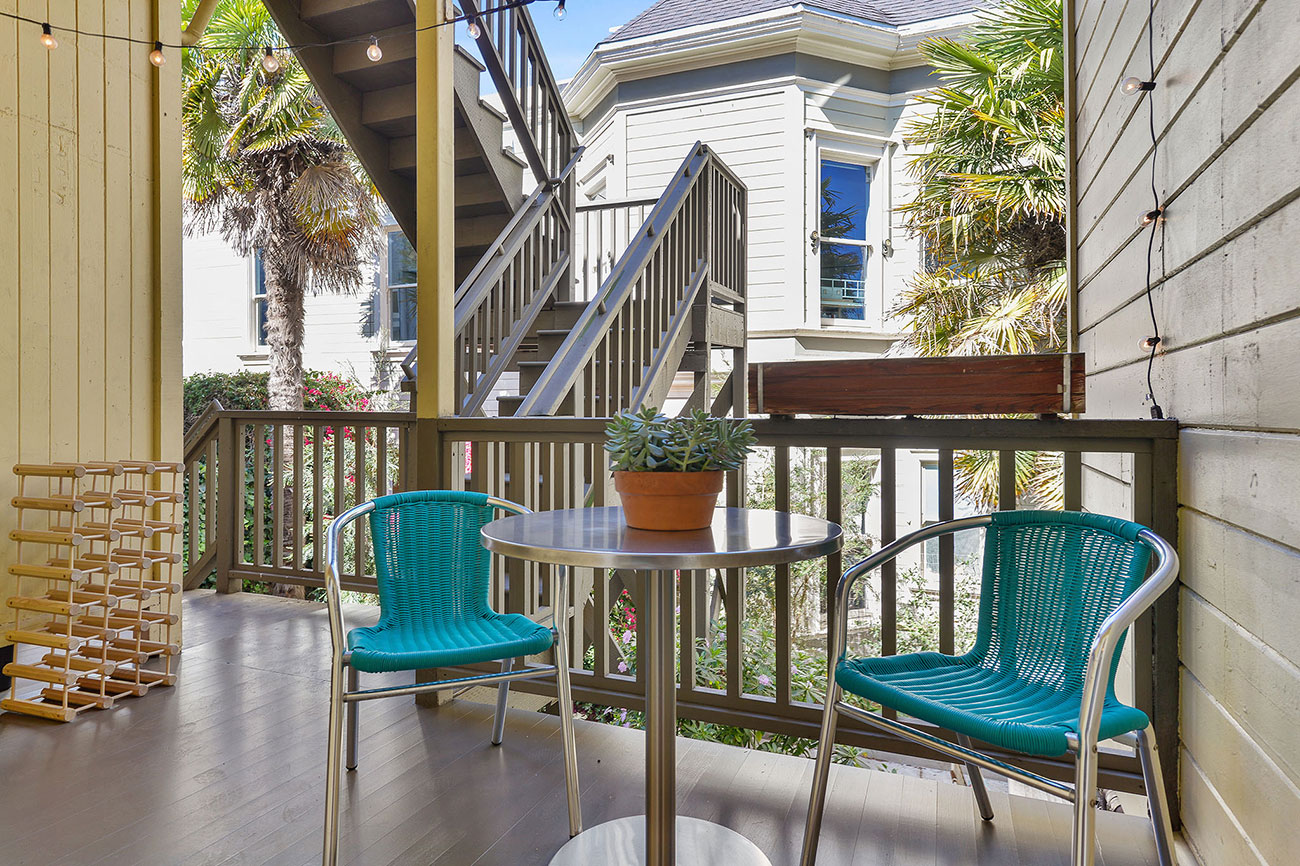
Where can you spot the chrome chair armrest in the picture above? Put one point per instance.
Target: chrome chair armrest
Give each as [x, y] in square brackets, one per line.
[839, 627]
[333, 544]
[1112, 629]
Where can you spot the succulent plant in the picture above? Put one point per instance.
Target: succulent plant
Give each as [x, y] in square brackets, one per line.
[648, 441]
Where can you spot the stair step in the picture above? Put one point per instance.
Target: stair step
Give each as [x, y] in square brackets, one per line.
[508, 404]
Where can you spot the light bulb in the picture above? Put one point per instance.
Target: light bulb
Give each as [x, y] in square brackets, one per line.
[1133, 84]
[374, 52]
[1151, 216]
[269, 61]
[47, 38]
[559, 11]
[156, 57]
[473, 29]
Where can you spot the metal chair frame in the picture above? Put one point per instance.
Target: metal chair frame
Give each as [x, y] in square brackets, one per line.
[344, 701]
[1083, 794]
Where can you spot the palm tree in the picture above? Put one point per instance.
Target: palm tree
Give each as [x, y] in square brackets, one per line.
[990, 210]
[990, 200]
[264, 164]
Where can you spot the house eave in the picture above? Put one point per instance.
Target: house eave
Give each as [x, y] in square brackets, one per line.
[808, 31]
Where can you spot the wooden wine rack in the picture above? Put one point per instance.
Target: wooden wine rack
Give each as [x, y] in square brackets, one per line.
[103, 596]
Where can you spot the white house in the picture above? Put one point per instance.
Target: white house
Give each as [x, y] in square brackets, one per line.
[808, 102]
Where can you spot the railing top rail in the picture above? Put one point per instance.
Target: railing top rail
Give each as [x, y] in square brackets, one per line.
[317, 416]
[1065, 434]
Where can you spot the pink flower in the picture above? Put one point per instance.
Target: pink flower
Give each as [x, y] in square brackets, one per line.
[627, 636]
[764, 680]
[622, 667]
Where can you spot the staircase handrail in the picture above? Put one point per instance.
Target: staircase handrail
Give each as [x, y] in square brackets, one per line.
[562, 373]
[533, 103]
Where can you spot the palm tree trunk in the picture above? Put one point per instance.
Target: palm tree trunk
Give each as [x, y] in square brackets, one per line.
[284, 335]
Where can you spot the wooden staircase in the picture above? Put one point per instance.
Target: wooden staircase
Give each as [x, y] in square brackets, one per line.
[515, 318]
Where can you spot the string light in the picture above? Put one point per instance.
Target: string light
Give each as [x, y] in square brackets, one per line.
[559, 11]
[156, 46]
[270, 62]
[1153, 219]
[472, 28]
[1133, 85]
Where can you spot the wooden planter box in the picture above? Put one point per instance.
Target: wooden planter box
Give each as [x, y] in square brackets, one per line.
[981, 385]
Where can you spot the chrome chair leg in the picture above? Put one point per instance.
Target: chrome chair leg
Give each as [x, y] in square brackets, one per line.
[352, 710]
[1083, 844]
[564, 696]
[1161, 824]
[333, 767]
[977, 784]
[821, 775]
[503, 692]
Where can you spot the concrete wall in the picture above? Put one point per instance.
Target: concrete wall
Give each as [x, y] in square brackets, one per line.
[90, 224]
[1226, 265]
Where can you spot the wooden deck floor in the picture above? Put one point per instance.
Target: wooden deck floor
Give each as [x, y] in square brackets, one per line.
[227, 768]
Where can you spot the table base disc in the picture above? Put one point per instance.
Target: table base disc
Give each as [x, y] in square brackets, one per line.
[622, 843]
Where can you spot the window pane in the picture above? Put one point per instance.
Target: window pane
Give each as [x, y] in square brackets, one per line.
[843, 268]
[401, 260]
[402, 319]
[844, 195]
[259, 298]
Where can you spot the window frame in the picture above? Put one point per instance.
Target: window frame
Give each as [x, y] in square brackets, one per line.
[828, 147]
[384, 313]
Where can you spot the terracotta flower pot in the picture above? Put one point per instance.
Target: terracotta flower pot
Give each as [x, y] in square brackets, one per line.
[673, 501]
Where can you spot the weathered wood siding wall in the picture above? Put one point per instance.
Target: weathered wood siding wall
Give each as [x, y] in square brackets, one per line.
[90, 217]
[1227, 264]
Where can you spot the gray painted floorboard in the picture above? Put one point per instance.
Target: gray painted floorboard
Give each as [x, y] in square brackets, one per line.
[228, 768]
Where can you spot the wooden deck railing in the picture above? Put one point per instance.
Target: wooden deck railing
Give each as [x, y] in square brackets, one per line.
[602, 231]
[256, 479]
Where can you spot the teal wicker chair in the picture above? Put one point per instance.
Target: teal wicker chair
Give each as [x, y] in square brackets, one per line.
[433, 573]
[1059, 591]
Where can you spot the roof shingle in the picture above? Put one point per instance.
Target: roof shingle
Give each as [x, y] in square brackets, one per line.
[666, 15]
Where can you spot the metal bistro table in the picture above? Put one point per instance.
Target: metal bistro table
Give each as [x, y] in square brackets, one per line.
[598, 538]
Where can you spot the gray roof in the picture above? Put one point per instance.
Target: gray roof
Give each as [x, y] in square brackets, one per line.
[666, 15]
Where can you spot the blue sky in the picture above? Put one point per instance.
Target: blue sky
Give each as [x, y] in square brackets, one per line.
[568, 42]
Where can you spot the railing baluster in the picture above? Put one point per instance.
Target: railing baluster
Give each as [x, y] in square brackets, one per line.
[317, 499]
[888, 533]
[947, 559]
[1006, 480]
[1072, 481]
[359, 482]
[782, 588]
[277, 495]
[835, 514]
[210, 497]
[259, 494]
[297, 497]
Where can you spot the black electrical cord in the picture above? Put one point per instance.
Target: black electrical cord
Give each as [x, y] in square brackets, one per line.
[153, 43]
[1155, 217]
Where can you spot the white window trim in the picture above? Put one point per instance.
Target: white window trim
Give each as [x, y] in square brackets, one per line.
[856, 150]
[384, 311]
[257, 347]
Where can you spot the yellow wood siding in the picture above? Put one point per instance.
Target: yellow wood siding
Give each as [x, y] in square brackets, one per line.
[1226, 109]
[90, 231]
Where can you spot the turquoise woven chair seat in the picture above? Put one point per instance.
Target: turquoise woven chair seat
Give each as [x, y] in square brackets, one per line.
[461, 641]
[988, 705]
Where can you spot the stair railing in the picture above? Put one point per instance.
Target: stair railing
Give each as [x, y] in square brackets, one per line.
[628, 342]
[512, 52]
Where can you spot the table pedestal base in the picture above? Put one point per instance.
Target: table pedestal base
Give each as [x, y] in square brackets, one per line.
[622, 843]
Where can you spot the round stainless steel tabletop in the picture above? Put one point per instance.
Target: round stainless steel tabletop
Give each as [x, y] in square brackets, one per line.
[598, 538]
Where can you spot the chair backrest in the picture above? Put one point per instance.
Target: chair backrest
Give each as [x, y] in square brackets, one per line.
[1050, 579]
[429, 561]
